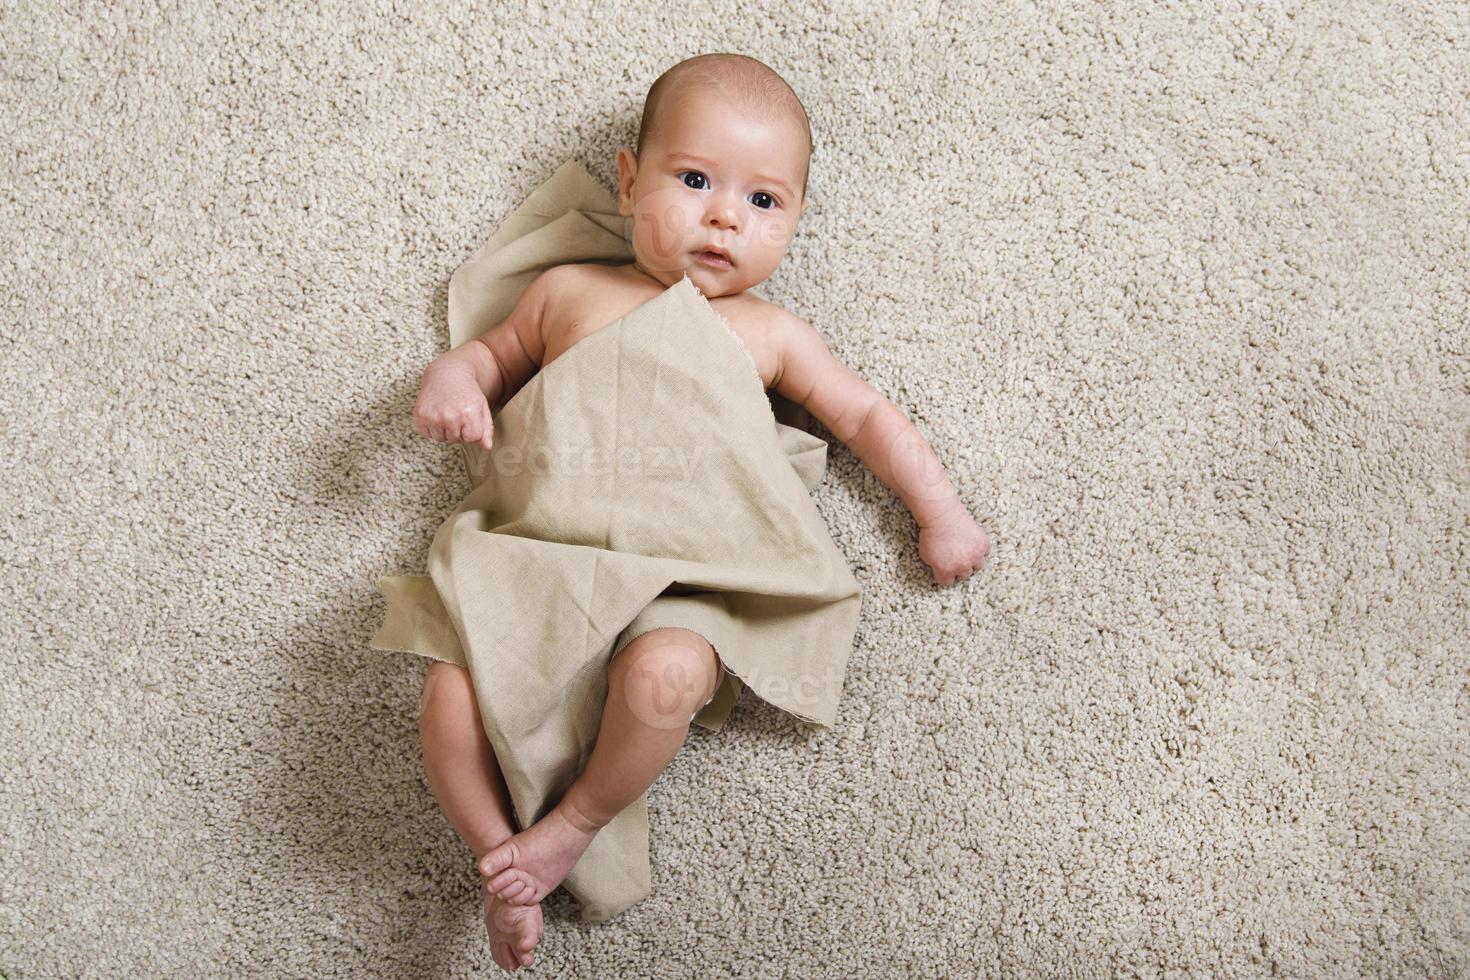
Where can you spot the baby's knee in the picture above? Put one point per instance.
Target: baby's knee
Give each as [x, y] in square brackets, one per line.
[665, 672]
[446, 685]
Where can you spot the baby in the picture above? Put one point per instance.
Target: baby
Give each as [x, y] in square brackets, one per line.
[715, 188]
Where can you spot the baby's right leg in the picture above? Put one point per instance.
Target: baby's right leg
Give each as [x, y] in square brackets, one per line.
[466, 780]
[458, 759]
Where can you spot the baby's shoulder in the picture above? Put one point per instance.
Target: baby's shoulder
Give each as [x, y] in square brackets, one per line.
[761, 325]
[568, 279]
[760, 311]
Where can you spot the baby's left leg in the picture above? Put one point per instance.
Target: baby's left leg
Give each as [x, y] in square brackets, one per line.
[656, 684]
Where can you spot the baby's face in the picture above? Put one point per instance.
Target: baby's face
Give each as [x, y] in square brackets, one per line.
[714, 176]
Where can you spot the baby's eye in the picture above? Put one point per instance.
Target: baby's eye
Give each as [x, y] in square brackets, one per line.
[760, 195]
[692, 173]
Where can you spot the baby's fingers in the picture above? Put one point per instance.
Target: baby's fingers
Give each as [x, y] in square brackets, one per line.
[447, 431]
[463, 426]
[489, 424]
[476, 428]
[951, 574]
[434, 424]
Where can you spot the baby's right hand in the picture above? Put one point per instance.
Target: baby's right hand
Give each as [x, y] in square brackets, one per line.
[452, 408]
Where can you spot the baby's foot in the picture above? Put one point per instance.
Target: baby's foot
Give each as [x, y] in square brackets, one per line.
[514, 930]
[526, 868]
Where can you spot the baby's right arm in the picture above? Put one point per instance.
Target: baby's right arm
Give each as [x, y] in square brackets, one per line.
[460, 385]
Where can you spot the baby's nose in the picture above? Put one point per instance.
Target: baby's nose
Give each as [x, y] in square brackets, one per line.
[722, 215]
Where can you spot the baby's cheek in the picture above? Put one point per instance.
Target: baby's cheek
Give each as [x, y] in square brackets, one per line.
[660, 241]
[772, 235]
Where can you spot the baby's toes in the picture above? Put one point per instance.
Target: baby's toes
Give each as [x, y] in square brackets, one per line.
[528, 935]
[514, 886]
[513, 957]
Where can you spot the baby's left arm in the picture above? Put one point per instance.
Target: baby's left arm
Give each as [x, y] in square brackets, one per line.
[879, 434]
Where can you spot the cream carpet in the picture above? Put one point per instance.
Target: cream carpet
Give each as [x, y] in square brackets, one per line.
[1178, 296]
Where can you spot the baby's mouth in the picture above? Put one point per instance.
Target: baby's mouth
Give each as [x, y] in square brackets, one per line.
[714, 259]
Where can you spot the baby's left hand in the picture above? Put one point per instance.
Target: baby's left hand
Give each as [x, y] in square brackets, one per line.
[953, 547]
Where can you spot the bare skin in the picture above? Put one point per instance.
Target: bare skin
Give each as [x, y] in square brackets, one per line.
[466, 780]
[655, 685]
[715, 177]
[513, 930]
[587, 297]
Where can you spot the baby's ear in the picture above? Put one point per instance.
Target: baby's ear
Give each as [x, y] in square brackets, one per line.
[627, 173]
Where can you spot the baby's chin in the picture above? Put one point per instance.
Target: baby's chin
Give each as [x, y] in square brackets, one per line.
[718, 282]
[711, 281]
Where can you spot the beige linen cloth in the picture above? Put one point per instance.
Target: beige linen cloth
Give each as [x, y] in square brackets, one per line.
[642, 479]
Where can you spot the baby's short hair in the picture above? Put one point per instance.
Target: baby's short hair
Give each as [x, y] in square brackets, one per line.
[747, 80]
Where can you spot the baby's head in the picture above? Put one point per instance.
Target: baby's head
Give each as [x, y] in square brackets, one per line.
[721, 162]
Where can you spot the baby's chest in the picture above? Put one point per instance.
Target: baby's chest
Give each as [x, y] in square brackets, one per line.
[572, 318]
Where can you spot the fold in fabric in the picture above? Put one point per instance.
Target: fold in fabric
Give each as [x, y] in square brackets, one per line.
[646, 461]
